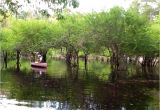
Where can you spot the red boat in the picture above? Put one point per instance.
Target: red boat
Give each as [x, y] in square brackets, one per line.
[38, 69]
[40, 65]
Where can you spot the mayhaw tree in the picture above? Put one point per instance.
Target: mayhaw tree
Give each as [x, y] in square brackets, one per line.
[152, 53]
[6, 44]
[38, 36]
[73, 28]
[142, 32]
[137, 42]
[9, 39]
[109, 30]
[90, 42]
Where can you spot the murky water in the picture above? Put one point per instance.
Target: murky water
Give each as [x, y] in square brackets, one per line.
[63, 88]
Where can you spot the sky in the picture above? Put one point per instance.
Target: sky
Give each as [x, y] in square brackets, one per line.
[86, 5]
[100, 5]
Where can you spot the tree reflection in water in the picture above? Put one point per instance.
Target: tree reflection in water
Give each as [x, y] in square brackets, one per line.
[75, 89]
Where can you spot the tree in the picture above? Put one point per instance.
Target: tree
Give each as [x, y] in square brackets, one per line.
[73, 27]
[39, 35]
[109, 30]
[149, 8]
[9, 39]
[6, 43]
[139, 40]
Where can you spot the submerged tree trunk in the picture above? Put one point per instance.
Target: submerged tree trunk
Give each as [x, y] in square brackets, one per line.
[115, 61]
[5, 58]
[85, 61]
[122, 59]
[77, 58]
[113, 75]
[155, 61]
[148, 61]
[33, 57]
[118, 59]
[44, 57]
[18, 60]
[68, 57]
[61, 50]
[43, 53]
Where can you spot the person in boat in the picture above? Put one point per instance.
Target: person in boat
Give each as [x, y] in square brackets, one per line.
[40, 58]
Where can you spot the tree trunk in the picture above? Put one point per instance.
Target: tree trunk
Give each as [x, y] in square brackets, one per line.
[148, 61]
[61, 50]
[18, 60]
[118, 59]
[155, 61]
[77, 58]
[85, 60]
[122, 61]
[114, 61]
[68, 58]
[33, 57]
[113, 75]
[5, 56]
[44, 57]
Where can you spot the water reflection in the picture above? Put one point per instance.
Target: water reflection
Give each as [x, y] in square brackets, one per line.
[73, 89]
[38, 72]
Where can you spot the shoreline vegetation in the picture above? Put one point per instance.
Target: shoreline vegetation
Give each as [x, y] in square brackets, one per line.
[116, 36]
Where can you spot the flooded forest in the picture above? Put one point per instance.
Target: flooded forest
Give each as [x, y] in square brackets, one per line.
[107, 60]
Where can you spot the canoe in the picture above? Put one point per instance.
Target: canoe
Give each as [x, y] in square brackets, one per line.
[40, 65]
[38, 69]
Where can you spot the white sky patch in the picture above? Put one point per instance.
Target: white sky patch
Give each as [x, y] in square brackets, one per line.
[100, 5]
[85, 6]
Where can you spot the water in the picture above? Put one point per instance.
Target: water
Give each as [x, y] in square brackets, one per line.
[64, 88]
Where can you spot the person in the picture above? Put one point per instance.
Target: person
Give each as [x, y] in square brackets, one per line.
[39, 58]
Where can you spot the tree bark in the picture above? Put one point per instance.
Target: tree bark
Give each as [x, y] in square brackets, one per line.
[118, 59]
[18, 60]
[5, 58]
[33, 58]
[43, 53]
[85, 60]
[77, 58]
[148, 61]
[44, 57]
[68, 57]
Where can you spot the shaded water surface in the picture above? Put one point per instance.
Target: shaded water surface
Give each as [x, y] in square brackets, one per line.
[64, 88]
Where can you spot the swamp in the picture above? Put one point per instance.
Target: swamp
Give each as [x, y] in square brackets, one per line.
[66, 60]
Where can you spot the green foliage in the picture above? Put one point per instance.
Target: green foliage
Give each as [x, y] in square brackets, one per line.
[135, 33]
[73, 30]
[36, 33]
[7, 39]
[154, 33]
[140, 39]
[127, 32]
